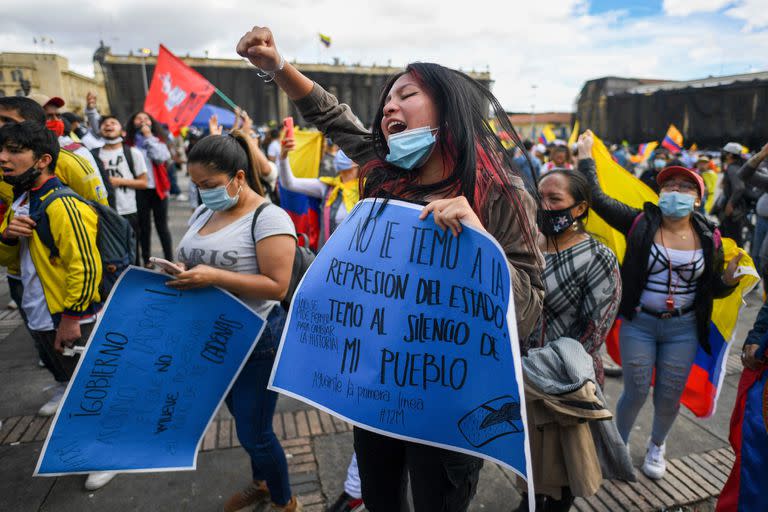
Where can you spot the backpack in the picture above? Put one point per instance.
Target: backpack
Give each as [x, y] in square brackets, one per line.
[301, 261]
[115, 239]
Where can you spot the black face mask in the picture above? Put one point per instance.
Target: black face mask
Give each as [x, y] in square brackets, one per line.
[555, 222]
[24, 181]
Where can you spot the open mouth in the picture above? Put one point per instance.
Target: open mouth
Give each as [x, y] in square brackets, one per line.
[396, 127]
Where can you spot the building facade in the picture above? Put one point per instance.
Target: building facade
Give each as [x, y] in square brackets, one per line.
[708, 112]
[49, 74]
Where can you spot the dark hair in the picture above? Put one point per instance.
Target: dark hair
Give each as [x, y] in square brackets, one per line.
[226, 154]
[131, 130]
[107, 117]
[528, 144]
[274, 133]
[468, 144]
[27, 108]
[578, 188]
[32, 136]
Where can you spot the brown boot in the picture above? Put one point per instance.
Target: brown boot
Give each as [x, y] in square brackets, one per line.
[254, 494]
[291, 506]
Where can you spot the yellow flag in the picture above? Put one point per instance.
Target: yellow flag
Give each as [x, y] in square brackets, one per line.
[574, 134]
[547, 135]
[618, 183]
[305, 159]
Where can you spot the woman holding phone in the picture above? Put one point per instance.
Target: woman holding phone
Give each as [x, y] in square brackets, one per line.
[224, 247]
[430, 144]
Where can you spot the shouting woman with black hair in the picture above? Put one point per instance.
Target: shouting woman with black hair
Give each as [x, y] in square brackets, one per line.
[143, 132]
[431, 144]
[252, 258]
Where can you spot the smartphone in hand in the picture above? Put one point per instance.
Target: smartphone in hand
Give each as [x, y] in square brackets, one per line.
[167, 266]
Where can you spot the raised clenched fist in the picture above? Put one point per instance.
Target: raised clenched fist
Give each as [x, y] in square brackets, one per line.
[258, 46]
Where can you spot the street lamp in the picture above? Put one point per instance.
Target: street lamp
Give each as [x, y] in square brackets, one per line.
[145, 52]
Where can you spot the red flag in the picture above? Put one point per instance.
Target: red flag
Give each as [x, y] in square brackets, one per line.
[177, 92]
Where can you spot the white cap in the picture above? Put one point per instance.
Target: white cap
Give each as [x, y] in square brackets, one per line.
[733, 148]
[540, 148]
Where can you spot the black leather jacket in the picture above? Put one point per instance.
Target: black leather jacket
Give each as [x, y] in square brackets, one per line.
[640, 227]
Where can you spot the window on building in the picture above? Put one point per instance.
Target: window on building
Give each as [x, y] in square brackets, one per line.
[19, 92]
[16, 75]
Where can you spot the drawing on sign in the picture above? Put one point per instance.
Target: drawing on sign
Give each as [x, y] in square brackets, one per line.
[492, 420]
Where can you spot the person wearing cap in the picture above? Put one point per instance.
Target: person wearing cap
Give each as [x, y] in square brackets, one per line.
[756, 175]
[709, 176]
[54, 122]
[733, 209]
[338, 194]
[673, 270]
[74, 170]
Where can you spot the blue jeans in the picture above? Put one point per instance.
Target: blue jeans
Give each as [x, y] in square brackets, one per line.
[253, 406]
[761, 229]
[668, 345]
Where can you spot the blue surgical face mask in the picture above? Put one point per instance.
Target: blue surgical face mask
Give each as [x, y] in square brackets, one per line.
[676, 204]
[659, 163]
[218, 199]
[411, 148]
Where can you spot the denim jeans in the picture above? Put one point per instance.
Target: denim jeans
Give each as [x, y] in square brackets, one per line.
[761, 229]
[668, 345]
[253, 406]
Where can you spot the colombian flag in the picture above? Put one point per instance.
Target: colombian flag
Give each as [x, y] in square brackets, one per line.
[644, 152]
[305, 163]
[547, 135]
[748, 480]
[574, 134]
[673, 141]
[326, 40]
[706, 377]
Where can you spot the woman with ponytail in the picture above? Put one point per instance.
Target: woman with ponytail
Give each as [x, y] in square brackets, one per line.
[430, 144]
[253, 259]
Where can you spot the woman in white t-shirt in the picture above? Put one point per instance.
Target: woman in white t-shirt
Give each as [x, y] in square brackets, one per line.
[224, 247]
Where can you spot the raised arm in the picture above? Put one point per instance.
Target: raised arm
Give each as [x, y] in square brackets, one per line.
[316, 105]
[307, 186]
[92, 114]
[751, 175]
[619, 215]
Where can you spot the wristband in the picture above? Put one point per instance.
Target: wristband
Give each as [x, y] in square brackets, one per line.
[268, 76]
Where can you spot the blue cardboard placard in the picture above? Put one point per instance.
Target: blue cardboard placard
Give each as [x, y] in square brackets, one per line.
[156, 367]
[402, 329]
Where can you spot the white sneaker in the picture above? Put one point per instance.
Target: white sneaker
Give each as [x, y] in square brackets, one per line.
[182, 197]
[654, 465]
[12, 305]
[98, 480]
[52, 405]
[40, 363]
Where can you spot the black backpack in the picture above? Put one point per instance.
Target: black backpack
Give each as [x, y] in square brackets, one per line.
[301, 261]
[105, 177]
[115, 239]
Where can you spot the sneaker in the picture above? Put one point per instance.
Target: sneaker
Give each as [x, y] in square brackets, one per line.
[40, 363]
[254, 494]
[98, 480]
[182, 197]
[654, 465]
[292, 506]
[346, 503]
[12, 305]
[52, 405]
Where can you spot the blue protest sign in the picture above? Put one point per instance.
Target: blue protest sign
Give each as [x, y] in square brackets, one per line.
[156, 367]
[405, 330]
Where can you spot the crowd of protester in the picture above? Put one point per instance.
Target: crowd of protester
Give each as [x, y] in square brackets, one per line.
[425, 147]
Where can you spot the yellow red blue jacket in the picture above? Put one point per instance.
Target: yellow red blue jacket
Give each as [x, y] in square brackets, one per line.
[71, 280]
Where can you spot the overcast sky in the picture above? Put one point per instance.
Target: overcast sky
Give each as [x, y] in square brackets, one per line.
[538, 52]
